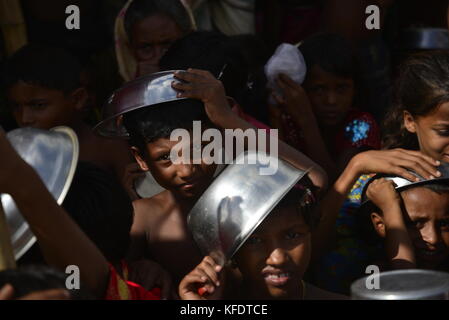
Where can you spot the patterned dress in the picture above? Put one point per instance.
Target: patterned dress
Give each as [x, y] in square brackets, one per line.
[349, 258]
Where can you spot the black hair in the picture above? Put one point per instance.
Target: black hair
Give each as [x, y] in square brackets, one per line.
[97, 202]
[29, 279]
[148, 124]
[141, 9]
[48, 67]
[302, 198]
[331, 52]
[213, 52]
[421, 87]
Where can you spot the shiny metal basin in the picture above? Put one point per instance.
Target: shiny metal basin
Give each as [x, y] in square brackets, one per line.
[54, 155]
[402, 184]
[237, 202]
[411, 284]
[146, 91]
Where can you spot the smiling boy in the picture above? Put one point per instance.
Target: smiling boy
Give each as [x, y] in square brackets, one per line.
[160, 227]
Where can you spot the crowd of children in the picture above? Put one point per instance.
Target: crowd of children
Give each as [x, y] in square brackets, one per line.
[128, 247]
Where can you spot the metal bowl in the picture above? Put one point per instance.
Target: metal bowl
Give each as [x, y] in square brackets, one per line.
[412, 284]
[145, 91]
[424, 39]
[402, 183]
[236, 203]
[54, 155]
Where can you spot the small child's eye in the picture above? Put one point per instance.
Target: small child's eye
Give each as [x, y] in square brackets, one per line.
[417, 224]
[443, 133]
[318, 89]
[293, 235]
[39, 105]
[342, 88]
[444, 224]
[253, 240]
[165, 157]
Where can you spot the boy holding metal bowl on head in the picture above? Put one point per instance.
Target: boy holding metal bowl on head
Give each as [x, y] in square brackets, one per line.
[269, 242]
[160, 225]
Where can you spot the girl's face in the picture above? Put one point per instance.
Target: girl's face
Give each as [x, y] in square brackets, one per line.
[432, 131]
[331, 96]
[152, 36]
[273, 260]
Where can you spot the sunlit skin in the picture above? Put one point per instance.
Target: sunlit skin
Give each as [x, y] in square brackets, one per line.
[428, 225]
[160, 224]
[273, 260]
[185, 180]
[331, 96]
[42, 108]
[426, 216]
[432, 131]
[152, 36]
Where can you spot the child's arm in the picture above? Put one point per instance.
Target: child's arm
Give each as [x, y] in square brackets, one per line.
[61, 240]
[399, 247]
[205, 282]
[385, 161]
[297, 105]
[204, 86]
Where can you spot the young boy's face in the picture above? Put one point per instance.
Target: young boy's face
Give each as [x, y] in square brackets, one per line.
[185, 180]
[331, 96]
[273, 260]
[427, 220]
[39, 107]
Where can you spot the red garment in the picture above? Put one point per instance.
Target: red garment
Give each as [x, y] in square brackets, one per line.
[239, 111]
[122, 289]
[360, 129]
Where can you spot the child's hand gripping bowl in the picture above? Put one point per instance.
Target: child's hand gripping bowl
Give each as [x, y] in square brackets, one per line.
[204, 282]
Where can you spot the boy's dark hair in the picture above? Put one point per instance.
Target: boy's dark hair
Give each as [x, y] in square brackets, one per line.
[148, 124]
[213, 52]
[48, 67]
[141, 9]
[97, 202]
[331, 52]
[30, 279]
[303, 199]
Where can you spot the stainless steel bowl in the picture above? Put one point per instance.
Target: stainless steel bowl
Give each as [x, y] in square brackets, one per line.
[237, 202]
[424, 39]
[412, 284]
[54, 155]
[402, 183]
[146, 91]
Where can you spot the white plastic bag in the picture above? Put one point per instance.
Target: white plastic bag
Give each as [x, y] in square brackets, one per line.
[288, 60]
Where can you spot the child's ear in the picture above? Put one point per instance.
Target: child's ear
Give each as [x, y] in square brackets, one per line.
[139, 159]
[79, 98]
[409, 122]
[378, 224]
